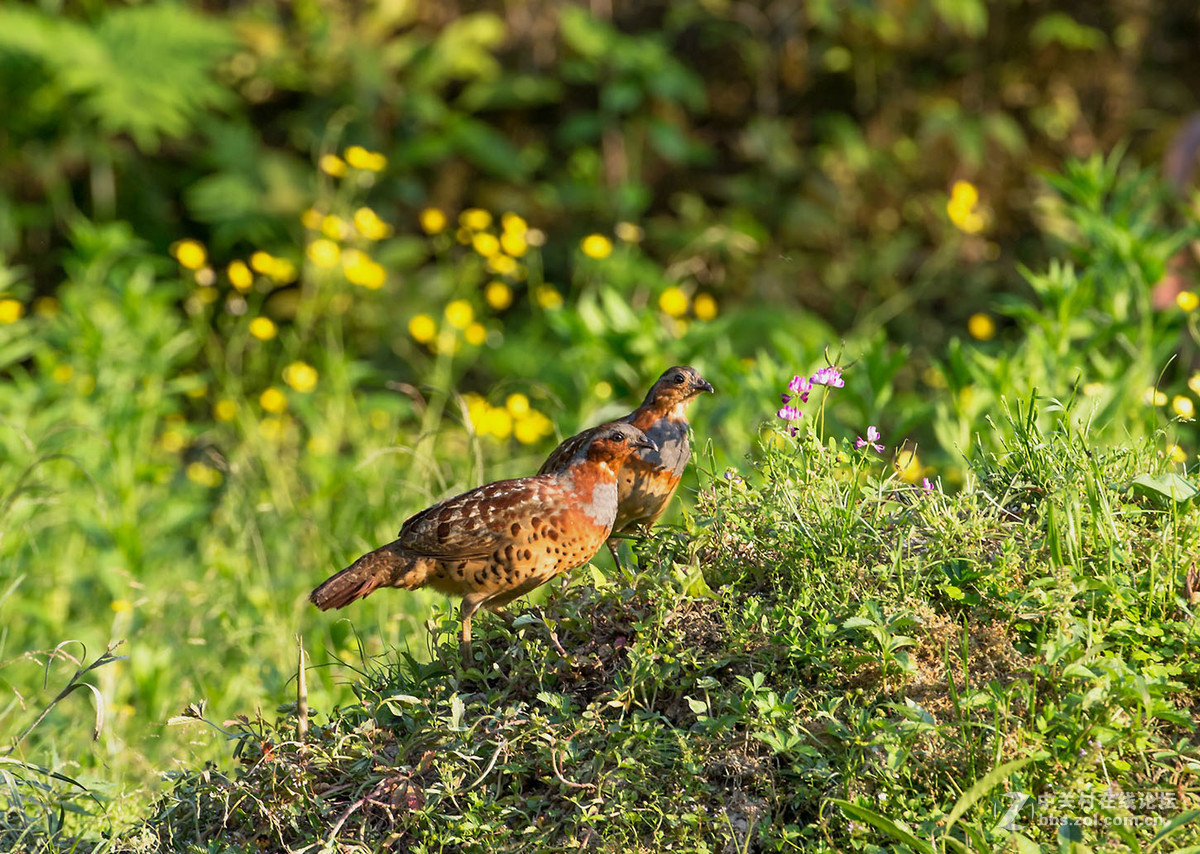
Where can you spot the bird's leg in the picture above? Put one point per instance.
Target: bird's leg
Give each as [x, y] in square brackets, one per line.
[613, 549]
[470, 604]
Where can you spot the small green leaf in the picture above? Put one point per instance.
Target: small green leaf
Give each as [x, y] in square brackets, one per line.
[896, 829]
[1165, 486]
[1173, 825]
[986, 783]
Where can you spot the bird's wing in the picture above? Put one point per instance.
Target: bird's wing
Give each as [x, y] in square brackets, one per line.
[478, 522]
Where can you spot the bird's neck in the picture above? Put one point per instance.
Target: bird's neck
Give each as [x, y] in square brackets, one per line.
[648, 415]
[596, 484]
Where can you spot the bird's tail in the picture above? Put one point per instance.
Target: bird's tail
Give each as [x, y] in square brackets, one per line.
[388, 566]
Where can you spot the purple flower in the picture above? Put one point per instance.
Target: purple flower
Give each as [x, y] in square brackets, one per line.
[872, 440]
[801, 386]
[790, 413]
[926, 485]
[830, 376]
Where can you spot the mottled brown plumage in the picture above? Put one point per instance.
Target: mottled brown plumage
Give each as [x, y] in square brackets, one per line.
[649, 478]
[501, 540]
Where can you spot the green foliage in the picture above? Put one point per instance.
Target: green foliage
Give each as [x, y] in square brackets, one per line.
[633, 716]
[141, 70]
[1091, 342]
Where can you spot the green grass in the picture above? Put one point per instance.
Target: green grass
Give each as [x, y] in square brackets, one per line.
[824, 658]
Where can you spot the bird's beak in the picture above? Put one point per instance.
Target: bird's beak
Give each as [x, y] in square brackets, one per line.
[646, 444]
[705, 385]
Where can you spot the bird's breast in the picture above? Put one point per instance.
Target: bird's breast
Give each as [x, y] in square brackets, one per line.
[601, 506]
[673, 448]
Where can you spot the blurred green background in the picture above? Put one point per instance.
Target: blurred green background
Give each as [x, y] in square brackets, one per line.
[274, 276]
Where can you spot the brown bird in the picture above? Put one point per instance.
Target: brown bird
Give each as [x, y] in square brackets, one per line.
[503, 539]
[648, 480]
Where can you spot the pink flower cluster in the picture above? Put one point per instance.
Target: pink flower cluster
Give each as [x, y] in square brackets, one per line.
[799, 389]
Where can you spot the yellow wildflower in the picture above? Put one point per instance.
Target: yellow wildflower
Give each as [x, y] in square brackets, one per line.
[503, 265]
[704, 306]
[120, 606]
[11, 310]
[908, 465]
[596, 246]
[964, 194]
[225, 410]
[961, 207]
[62, 374]
[263, 328]
[603, 390]
[203, 475]
[548, 297]
[459, 313]
[1093, 389]
[1154, 397]
[1176, 454]
[369, 161]
[312, 219]
[476, 409]
[332, 165]
[1194, 383]
[189, 253]
[324, 253]
[301, 376]
[535, 237]
[172, 441]
[240, 276]
[497, 422]
[498, 295]
[1187, 300]
[432, 220]
[334, 227]
[279, 269]
[261, 262]
[629, 232]
[476, 219]
[272, 400]
[282, 271]
[517, 405]
[475, 334]
[513, 243]
[532, 428]
[485, 244]
[1183, 406]
[359, 269]
[981, 326]
[422, 328]
[513, 224]
[673, 301]
[369, 225]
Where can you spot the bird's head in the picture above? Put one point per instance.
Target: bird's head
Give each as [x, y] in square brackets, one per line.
[615, 442]
[675, 389]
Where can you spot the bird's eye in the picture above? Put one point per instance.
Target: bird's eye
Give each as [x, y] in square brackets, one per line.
[679, 379]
